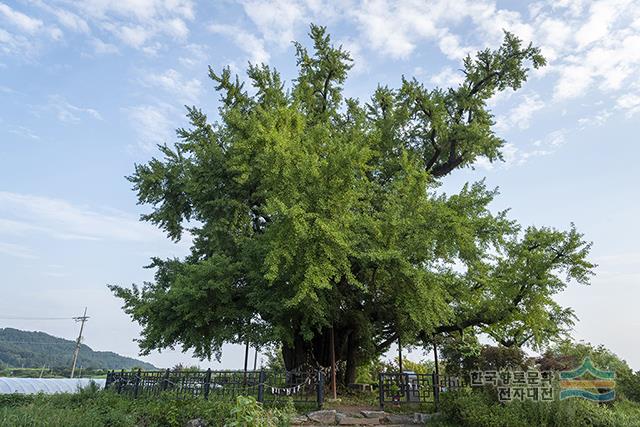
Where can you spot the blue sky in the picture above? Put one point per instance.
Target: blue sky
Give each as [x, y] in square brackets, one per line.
[89, 88]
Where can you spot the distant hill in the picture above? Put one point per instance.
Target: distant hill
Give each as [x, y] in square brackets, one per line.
[35, 349]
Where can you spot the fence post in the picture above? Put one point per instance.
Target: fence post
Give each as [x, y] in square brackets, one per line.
[261, 380]
[381, 389]
[436, 391]
[108, 380]
[320, 389]
[207, 384]
[165, 380]
[120, 381]
[137, 383]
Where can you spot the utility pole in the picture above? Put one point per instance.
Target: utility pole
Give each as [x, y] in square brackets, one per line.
[82, 319]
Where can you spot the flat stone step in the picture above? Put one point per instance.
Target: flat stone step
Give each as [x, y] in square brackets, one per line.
[331, 417]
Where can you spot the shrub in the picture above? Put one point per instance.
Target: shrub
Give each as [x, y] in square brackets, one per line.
[104, 408]
[479, 409]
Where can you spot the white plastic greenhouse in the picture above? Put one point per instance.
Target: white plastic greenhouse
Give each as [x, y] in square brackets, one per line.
[45, 385]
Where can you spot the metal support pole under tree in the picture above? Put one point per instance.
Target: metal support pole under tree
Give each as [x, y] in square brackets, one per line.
[255, 360]
[82, 319]
[320, 388]
[402, 388]
[261, 380]
[207, 384]
[436, 378]
[381, 390]
[136, 389]
[246, 361]
[333, 365]
[165, 380]
[400, 356]
[120, 381]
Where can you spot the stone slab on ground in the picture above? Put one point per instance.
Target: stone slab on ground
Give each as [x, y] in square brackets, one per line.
[420, 418]
[373, 414]
[324, 417]
[300, 420]
[398, 419]
[345, 420]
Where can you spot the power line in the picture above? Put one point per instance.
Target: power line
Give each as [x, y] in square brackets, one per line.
[35, 318]
[69, 342]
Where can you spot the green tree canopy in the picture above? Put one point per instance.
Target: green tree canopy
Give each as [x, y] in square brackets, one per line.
[311, 212]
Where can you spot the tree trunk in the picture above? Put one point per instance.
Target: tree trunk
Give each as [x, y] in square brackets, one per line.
[317, 353]
[350, 374]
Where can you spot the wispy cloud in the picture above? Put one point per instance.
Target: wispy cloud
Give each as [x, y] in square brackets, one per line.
[69, 113]
[25, 214]
[139, 24]
[446, 77]
[20, 20]
[153, 124]
[520, 116]
[18, 251]
[102, 48]
[24, 132]
[249, 43]
[172, 81]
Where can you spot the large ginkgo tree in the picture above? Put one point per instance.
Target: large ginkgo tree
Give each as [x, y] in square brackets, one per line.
[312, 215]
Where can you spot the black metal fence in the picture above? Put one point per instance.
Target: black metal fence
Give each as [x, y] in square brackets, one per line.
[412, 388]
[265, 386]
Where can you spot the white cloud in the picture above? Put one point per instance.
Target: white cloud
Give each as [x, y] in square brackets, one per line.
[573, 81]
[602, 16]
[597, 119]
[25, 214]
[630, 103]
[447, 77]
[139, 24]
[252, 45]
[520, 116]
[66, 18]
[518, 155]
[71, 21]
[18, 251]
[552, 140]
[152, 124]
[276, 20]
[102, 48]
[70, 113]
[134, 36]
[24, 34]
[187, 90]
[195, 55]
[360, 64]
[24, 132]
[19, 19]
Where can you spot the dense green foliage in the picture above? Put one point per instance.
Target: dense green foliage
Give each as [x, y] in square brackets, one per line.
[460, 356]
[478, 409]
[94, 408]
[312, 214]
[36, 349]
[566, 355]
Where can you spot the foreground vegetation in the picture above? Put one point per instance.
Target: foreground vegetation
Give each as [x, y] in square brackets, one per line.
[468, 408]
[479, 409]
[100, 408]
